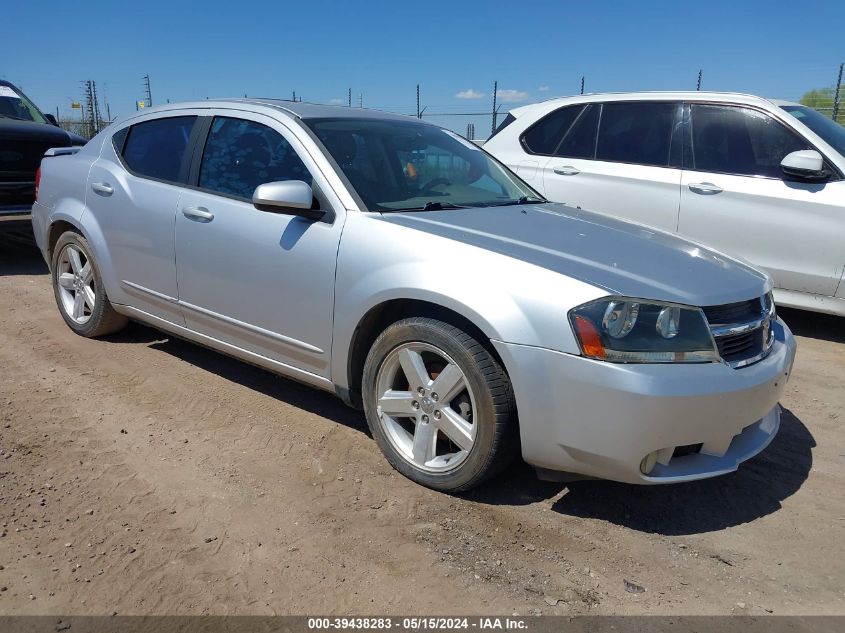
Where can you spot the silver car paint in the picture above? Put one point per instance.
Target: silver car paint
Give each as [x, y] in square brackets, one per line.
[514, 272]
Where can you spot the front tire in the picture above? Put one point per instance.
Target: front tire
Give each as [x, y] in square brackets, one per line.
[79, 289]
[439, 405]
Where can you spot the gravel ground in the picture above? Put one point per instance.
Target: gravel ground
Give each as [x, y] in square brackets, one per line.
[140, 474]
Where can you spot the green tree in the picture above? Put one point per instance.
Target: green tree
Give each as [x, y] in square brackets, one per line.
[821, 99]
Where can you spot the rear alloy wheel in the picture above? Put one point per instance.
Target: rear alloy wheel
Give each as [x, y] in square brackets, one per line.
[438, 404]
[79, 290]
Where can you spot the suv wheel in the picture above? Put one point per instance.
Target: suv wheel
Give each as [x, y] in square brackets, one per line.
[439, 405]
[79, 289]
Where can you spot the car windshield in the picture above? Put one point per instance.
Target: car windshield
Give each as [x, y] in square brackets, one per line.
[14, 105]
[831, 131]
[405, 166]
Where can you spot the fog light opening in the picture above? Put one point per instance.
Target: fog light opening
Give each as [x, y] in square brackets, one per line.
[648, 463]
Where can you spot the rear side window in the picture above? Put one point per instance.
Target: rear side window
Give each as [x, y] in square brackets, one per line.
[240, 155]
[580, 141]
[544, 136]
[155, 149]
[636, 132]
[741, 141]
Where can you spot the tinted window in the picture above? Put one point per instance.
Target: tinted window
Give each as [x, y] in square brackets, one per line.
[240, 155]
[741, 141]
[832, 132]
[545, 135]
[637, 133]
[580, 142]
[155, 148]
[119, 138]
[505, 123]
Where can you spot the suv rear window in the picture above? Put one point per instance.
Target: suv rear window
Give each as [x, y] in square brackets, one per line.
[155, 149]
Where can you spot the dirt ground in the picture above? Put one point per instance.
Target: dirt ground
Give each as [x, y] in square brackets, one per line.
[144, 475]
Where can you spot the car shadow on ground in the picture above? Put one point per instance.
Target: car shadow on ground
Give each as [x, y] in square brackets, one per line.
[293, 393]
[757, 489]
[825, 327]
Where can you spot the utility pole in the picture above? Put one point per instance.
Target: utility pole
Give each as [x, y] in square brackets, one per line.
[294, 96]
[360, 99]
[97, 117]
[837, 95]
[148, 92]
[418, 102]
[582, 84]
[349, 98]
[495, 92]
[698, 85]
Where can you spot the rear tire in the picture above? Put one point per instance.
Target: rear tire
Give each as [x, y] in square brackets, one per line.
[79, 289]
[439, 405]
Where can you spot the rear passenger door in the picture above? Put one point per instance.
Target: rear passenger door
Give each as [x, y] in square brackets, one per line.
[622, 159]
[262, 281]
[735, 197]
[133, 192]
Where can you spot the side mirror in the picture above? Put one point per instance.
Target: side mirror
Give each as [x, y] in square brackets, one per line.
[51, 119]
[805, 164]
[293, 197]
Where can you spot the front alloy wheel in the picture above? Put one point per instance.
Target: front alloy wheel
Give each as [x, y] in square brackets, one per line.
[439, 405]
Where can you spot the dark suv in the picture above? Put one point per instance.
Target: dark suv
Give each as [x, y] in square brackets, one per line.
[25, 134]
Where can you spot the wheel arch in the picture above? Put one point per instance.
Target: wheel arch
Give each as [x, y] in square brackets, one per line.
[381, 316]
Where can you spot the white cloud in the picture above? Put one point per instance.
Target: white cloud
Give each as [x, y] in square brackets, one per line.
[469, 93]
[543, 88]
[336, 100]
[511, 96]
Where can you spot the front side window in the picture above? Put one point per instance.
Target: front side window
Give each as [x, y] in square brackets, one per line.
[741, 141]
[832, 132]
[636, 132]
[156, 148]
[544, 136]
[240, 155]
[404, 166]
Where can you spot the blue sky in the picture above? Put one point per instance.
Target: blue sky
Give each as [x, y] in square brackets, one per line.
[383, 49]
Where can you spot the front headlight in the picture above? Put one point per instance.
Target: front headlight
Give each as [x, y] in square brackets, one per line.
[624, 330]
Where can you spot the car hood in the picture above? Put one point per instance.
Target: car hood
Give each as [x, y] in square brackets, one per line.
[12, 129]
[620, 257]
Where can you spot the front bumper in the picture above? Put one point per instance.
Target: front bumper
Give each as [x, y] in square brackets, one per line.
[602, 419]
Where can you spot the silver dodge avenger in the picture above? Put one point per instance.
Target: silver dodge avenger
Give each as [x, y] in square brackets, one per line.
[401, 267]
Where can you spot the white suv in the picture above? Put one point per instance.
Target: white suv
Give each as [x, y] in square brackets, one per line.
[756, 178]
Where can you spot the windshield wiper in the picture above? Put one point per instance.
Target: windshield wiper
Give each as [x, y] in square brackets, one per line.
[431, 206]
[522, 200]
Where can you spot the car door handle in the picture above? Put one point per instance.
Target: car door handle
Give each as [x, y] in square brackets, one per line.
[198, 214]
[705, 188]
[567, 170]
[102, 188]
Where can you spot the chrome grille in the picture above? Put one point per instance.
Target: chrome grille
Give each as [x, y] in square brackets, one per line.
[742, 330]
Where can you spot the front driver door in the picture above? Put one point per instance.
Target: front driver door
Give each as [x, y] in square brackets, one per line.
[261, 281]
[735, 198]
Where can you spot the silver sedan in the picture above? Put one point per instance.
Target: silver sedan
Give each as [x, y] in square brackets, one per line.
[399, 266]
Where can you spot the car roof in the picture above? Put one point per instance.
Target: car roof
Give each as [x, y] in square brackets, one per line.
[687, 95]
[297, 109]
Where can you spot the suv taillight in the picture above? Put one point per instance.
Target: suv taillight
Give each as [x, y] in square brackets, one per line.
[37, 181]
